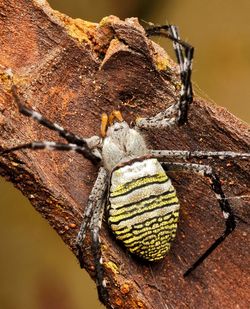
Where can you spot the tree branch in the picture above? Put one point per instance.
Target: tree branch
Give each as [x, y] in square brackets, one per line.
[71, 71]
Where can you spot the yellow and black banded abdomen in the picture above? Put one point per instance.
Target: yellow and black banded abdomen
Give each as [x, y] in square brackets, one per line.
[144, 208]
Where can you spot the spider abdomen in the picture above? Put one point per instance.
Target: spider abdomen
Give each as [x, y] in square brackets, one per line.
[144, 208]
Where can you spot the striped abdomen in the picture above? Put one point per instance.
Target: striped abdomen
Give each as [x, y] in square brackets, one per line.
[144, 208]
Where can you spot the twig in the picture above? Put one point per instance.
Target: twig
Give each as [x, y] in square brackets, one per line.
[72, 71]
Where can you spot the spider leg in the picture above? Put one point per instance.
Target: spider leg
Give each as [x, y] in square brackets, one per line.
[95, 197]
[185, 62]
[87, 147]
[185, 154]
[95, 226]
[184, 54]
[38, 145]
[230, 222]
[67, 135]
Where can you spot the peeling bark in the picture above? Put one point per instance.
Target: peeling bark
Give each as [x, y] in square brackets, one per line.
[71, 71]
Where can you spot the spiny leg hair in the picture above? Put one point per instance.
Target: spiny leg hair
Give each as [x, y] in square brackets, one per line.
[230, 222]
[184, 58]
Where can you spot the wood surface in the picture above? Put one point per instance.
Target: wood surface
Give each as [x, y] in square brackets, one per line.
[71, 71]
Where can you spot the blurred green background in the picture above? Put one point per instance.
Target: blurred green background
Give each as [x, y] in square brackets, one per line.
[37, 270]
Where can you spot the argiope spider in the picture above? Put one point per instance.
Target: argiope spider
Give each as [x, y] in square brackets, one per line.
[132, 185]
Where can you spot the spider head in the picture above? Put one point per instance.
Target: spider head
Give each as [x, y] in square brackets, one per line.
[120, 142]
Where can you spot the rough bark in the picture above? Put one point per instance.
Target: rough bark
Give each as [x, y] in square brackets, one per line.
[71, 71]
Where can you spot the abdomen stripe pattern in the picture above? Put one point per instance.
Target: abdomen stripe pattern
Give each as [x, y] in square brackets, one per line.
[144, 208]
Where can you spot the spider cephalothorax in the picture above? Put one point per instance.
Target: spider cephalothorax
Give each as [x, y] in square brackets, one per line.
[132, 183]
[120, 141]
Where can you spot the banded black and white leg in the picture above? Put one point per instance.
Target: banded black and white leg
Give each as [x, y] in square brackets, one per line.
[86, 146]
[186, 154]
[230, 222]
[48, 145]
[96, 223]
[185, 62]
[178, 112]
[95, 196]
[93, 213]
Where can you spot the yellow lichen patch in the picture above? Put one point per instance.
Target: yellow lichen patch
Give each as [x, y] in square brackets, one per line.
[108, 20]
[14, 164]
[161, 62]
[105, 20]
[125, 288]
[57, 205]
[118, 301]
[6, 77]
[140, 304]
[79, 29]
[104, 247]
[177, 85]
[76, 28]
[112, 266]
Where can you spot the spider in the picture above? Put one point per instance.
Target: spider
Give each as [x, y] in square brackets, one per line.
[132, 185]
